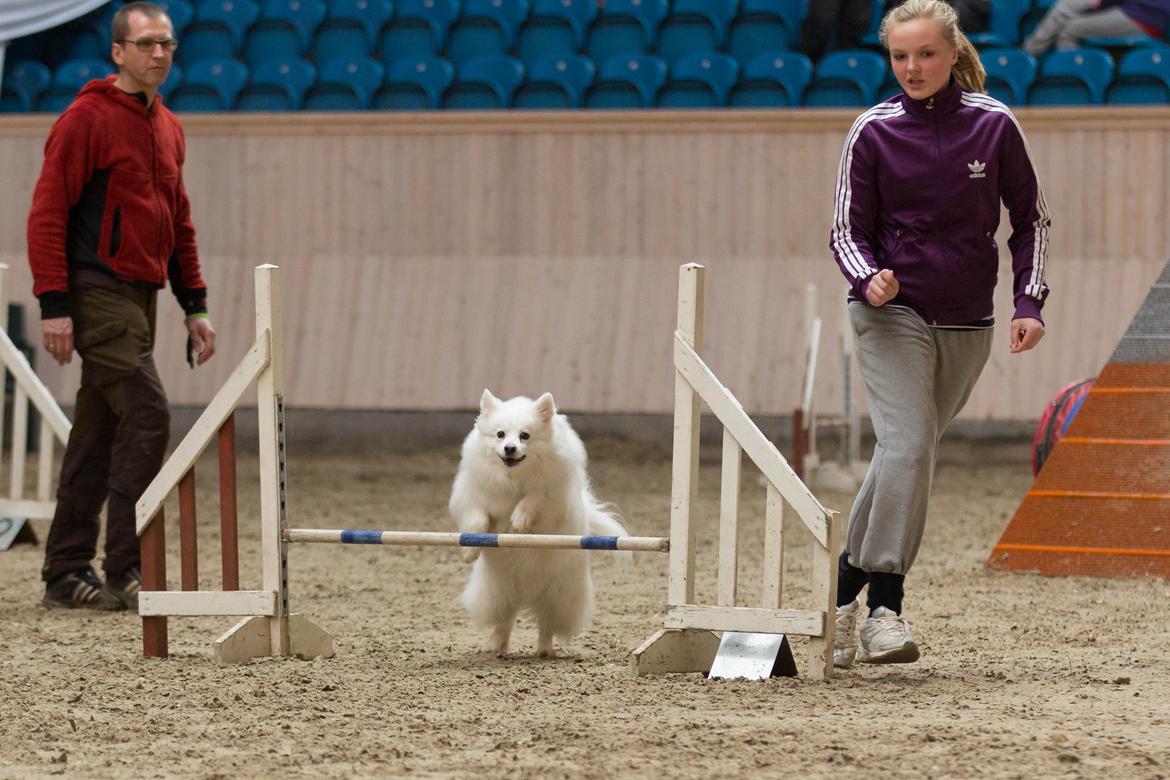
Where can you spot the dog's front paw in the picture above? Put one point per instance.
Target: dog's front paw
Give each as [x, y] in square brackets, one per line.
[521, 520]
[469, 554]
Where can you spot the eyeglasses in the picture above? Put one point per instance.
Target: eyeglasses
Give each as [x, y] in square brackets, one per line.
[146, 45]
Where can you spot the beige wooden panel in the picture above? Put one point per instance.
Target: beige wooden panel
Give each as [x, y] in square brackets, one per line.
[429, 256]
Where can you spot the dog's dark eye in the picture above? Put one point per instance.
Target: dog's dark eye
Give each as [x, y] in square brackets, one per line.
[524, 436]
[499, 434]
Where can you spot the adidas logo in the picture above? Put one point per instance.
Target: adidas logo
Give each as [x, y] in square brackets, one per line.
[977, 170]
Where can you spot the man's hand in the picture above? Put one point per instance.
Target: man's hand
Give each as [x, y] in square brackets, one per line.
[882, 288]
[57, 336]
[202, 339]
[1026, 333]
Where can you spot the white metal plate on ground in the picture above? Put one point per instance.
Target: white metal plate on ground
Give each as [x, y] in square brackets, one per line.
[15, 530]
[753, 657]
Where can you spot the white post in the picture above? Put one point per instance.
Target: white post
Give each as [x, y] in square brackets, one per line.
[824, 595]
[808, 401]
[773, 549]
[269, 413]
[685, 468]
[19, 441]
[681, 649]
[729, 520]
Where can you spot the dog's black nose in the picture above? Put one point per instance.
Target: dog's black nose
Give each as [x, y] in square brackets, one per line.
[510, 449]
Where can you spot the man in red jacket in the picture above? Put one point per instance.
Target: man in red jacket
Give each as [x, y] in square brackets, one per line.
[110, 223]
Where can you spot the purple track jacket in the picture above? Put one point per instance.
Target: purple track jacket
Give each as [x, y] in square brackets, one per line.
[918, 192]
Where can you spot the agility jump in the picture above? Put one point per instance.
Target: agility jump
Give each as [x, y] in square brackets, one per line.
[55, 426]
[686, 643]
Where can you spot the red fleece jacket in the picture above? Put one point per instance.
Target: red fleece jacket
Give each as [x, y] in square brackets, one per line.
[111, 197]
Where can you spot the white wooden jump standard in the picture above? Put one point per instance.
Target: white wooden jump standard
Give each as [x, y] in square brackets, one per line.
[685, 644]
[54, 425]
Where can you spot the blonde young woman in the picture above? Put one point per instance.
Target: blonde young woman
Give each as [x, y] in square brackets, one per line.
[918, 200]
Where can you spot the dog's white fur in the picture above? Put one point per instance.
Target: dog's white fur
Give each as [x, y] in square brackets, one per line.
[522, 470]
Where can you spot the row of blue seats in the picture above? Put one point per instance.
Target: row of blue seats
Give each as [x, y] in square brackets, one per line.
[707, 80]
[461, 30]
[400, 29]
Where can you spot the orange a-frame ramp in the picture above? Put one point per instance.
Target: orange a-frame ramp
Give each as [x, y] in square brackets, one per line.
[1100, 506]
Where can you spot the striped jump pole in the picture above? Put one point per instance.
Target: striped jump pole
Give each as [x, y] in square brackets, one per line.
[438, 539]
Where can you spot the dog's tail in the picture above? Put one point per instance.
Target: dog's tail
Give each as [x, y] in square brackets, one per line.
[604, 519]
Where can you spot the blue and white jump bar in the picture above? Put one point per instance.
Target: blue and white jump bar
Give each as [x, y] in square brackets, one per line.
[438, 539]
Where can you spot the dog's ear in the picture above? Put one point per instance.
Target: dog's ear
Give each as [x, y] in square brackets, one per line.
[546, 407]
[487, 401]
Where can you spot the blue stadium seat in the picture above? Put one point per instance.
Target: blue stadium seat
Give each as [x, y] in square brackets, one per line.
[1010, 72]
[30, 76]
[419, 29]
[1123, 42]
[773, 80]
[68, 79]
[555, 28]
[210, 85]
[485, 82]
[277, 86]
[283, 31]
[345, 84]
[762, 26]
[1004, 23]
[486, 27]
[1074, 77]
[351, 29]
[173, 82]
[217, 31]
[415, 85]
[79, 40]
[1143, 78]
[699, 81]
[625, 27]
[846, 79]
[694, 27]
[14, 99]
[180, 12]
[556, 82]
[628, 82]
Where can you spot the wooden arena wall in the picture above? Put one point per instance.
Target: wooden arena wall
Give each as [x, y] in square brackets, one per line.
[426, 256]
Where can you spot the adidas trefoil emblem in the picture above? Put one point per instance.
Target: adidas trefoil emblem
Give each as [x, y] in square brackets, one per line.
[977, 170]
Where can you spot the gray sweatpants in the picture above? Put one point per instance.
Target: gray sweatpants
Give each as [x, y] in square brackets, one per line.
[918, 379]
[1069, 22]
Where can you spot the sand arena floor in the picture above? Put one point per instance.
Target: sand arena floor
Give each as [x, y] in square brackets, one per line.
[1022, 676]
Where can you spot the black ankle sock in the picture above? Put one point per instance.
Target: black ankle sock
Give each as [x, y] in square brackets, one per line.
[885, 590]
[850, 581]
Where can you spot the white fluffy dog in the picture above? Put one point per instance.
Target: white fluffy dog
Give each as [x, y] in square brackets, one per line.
[522, 470]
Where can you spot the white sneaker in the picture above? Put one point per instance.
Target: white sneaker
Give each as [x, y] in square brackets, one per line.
[845, 635]
[886, 638]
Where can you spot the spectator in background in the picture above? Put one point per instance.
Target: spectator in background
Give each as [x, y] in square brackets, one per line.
[834, 24]
[1069, 22]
